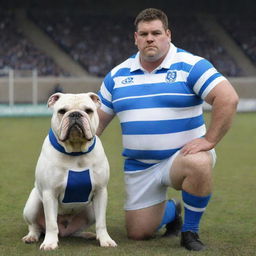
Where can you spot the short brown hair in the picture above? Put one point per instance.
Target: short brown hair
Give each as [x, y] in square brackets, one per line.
[150, 14]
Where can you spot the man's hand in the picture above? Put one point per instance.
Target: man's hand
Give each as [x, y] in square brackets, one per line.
[197, 145]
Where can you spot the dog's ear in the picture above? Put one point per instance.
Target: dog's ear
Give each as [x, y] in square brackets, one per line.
[95, 98]
[53, 98]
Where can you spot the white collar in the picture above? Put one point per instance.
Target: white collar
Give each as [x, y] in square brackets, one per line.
[166, 63]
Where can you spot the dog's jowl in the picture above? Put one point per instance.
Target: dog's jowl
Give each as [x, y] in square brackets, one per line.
[72, 173]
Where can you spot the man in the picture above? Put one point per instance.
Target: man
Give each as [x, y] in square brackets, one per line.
[157, 95]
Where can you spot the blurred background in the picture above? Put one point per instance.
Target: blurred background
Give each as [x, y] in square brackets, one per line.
[70, 45]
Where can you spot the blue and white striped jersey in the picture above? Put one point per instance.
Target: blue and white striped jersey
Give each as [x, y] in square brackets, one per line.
[161, 111]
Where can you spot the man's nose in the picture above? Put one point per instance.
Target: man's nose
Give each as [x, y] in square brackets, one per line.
[150, 38]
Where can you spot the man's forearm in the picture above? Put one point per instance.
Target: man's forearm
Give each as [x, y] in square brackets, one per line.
[223, 112]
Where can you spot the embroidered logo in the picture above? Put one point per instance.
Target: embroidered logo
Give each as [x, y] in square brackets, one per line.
[127, 80]
[171, 76]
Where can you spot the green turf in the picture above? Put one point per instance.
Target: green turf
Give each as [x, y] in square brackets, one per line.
[228, 226]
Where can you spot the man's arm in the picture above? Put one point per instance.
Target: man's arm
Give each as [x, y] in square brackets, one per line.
[105, 119]
[224, 100]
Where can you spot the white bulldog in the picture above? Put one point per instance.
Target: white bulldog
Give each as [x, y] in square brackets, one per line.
[71, 177]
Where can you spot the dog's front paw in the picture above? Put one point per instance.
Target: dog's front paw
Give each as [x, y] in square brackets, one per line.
[49, 245]
[30, 238]
[106, 241]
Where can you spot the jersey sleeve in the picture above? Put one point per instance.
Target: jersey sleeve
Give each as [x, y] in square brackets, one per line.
[203, 77]
[105, 94]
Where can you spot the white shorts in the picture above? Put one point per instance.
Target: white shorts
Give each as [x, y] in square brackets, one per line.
[149, 187]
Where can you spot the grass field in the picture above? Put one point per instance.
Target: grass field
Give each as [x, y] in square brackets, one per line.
[228, 226]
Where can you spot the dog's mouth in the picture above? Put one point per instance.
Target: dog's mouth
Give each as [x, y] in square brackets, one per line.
[76, 130]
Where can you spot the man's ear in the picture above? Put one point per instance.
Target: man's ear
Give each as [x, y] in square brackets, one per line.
[135, 38]
[53, 98]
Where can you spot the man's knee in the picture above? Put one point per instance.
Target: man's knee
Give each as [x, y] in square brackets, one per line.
[192, 172]
[139, 234]
[199, 164]
[142, 224]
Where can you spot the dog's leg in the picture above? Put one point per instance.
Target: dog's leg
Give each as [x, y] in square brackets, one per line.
[31, 212]
[50, 204]
[100, 205]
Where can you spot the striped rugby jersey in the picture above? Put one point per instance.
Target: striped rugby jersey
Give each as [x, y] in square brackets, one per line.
[161, 111]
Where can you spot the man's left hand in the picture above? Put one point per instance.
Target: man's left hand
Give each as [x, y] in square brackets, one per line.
[197, 145]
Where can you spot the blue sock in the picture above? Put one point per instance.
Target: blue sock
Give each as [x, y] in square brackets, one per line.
[169, 213]
[194, 207]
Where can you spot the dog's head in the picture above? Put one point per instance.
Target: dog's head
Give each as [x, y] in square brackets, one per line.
[75, 119]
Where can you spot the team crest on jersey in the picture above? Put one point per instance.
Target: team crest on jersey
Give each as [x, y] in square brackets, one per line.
[171, 76]
[127, 80]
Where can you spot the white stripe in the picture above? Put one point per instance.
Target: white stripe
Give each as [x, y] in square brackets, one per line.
[163, 141]
[194, 209]
[152, 95]
[125, 64]
[105, 93]
[212, 85]
[145, 78]
[153, 114]
[204, 77]
[148, 161]
[107, 109]
[186, 57]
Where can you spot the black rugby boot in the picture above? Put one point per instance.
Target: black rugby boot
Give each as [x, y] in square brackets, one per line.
[190, 240]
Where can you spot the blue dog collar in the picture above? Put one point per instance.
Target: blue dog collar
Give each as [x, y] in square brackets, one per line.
[61, 149]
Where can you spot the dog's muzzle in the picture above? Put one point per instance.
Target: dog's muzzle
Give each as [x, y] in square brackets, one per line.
[76, 126]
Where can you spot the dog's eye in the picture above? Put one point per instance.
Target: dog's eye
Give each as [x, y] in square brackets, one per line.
[62, 111]
[88, 111]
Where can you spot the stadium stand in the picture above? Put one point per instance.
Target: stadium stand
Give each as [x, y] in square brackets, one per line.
[243, 30]
[99, 42]
[17, 52]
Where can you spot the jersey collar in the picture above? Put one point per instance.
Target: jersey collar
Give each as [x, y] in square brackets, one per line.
[168, 60]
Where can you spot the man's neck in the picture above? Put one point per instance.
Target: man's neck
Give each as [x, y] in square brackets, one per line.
[149, 66]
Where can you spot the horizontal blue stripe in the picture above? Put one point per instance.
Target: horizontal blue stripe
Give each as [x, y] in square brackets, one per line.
[181, 66]
[122, 72]
[161, 126]
[181, 50]
[150, 89]
[109, 82]
[212, 78]
[149, 154]
[104, 101]
[161, 101]
[197, 71]
[135, 165]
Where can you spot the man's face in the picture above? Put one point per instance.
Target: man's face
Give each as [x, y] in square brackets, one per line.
[152, 40]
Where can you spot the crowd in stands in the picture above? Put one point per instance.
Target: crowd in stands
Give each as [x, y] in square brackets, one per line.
[243, 30]
[97, 42]
[100, 42]
[197, 41]
[17, 52]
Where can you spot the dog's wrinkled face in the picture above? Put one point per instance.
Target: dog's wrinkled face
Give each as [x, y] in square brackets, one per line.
[75, 119]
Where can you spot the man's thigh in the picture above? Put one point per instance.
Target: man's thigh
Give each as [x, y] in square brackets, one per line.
[143, 223]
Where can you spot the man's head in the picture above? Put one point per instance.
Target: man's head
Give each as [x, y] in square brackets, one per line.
[151, 14]
[152, 35]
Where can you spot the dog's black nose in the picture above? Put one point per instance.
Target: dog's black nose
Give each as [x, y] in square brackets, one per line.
[75, 114]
